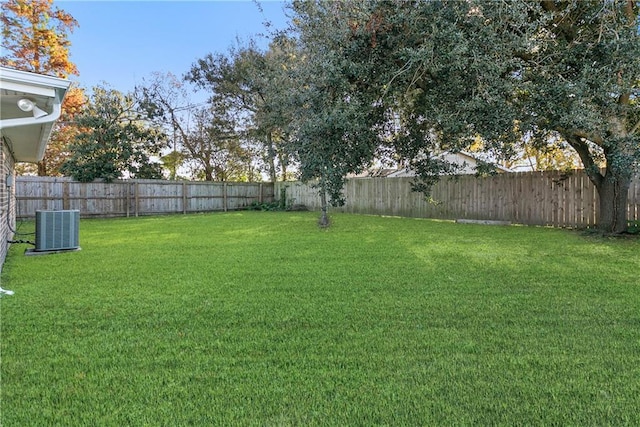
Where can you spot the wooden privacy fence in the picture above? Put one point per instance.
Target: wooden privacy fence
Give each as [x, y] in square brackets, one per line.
[535, 198]
[134, 197]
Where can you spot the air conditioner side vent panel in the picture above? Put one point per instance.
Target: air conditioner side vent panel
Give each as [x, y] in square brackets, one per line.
[57, 230]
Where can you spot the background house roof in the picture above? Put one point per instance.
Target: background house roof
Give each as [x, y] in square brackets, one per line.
[466, 161]
[27, 133]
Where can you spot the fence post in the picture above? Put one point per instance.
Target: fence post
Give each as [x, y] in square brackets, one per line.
[184, 198]
[137, 197]
[45, 193]
[127, 195]
[529, 198]
[224, 196]
[65, 195]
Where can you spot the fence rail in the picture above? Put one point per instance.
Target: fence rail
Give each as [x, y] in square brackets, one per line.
[536, 198]
[552, 198]
[134, 197]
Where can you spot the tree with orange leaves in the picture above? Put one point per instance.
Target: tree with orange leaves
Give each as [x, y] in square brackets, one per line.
[35, 37]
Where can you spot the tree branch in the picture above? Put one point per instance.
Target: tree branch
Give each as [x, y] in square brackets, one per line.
[549, 5]
[581, 147]
[596, 139]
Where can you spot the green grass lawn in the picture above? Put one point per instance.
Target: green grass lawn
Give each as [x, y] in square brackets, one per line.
[258, 318]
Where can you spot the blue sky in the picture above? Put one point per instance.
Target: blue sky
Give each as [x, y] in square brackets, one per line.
[122, 42]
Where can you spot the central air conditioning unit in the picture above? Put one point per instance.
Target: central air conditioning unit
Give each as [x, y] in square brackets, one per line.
[57, 230]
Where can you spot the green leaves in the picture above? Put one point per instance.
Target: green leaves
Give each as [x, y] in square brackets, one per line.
[447, 73]
[336, 115]
[114, 140]
[250, 85]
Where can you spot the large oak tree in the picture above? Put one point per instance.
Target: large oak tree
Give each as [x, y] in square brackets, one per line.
[448, 72]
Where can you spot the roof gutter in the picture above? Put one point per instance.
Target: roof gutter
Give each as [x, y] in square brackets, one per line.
[27, 121]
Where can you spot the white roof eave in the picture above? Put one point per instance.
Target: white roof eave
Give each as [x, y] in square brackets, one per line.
[28, 135]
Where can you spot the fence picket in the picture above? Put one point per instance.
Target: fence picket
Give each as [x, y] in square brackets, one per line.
[132, 197]
[535, 198]
[634, 201]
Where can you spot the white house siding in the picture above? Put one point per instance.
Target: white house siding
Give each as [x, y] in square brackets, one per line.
[466, 163]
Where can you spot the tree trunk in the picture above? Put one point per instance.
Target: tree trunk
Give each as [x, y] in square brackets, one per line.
[283, 164]
[272, 158]
[208, 174]
[324, 218]
[613, 193]
[42, 168]
[612, 187]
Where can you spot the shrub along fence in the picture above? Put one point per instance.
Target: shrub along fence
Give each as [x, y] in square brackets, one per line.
[134, 197]
[560, 199]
